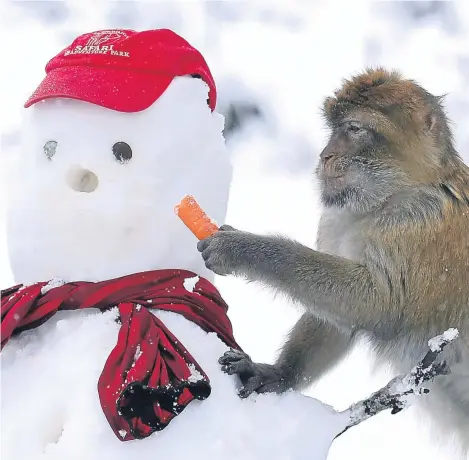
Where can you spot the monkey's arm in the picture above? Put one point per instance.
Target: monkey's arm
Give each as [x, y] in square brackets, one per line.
[312, 348]
[352, 293]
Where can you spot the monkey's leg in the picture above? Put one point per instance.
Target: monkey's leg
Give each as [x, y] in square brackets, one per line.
[312, 348]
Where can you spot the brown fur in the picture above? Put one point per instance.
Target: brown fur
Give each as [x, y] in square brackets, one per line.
[421, 233]
[384, 91]
[392, 258]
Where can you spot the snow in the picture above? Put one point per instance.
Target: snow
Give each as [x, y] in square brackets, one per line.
[436, 342]
[285, 56]
[195, 374]
[189, 283]
[53, 283]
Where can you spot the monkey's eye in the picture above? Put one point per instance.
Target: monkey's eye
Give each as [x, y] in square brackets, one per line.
[355, 128]
[122, 152]
[50, 148]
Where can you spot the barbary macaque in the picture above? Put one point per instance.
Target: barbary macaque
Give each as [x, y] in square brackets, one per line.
[392, 258]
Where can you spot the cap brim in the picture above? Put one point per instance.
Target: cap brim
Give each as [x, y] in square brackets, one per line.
[116, 89]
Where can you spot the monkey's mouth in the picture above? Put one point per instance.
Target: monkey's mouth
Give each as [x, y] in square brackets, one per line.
[333, 183]
[327, 173]
[332, 177]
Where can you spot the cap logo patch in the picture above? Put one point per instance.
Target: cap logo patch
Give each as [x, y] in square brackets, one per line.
[101, 42]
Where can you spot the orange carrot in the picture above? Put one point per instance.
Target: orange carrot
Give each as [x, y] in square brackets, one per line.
[195, 218]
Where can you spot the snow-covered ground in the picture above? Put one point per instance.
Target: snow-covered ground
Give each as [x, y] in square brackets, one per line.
[285, 56]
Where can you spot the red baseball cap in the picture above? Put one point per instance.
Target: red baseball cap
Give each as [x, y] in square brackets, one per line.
[122, 69]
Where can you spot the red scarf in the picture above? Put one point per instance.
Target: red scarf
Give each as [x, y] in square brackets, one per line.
[146, 380]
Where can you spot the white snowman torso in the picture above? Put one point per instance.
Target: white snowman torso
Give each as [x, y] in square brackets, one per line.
[93, 199]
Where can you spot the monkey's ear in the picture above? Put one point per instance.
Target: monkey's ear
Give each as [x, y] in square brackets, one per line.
[435, 119]
[431, 121]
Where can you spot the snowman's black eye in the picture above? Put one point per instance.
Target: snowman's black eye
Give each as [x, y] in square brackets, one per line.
[50, 148]
[122, 152]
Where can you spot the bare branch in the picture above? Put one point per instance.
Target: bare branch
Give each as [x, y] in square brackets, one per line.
[396, 394]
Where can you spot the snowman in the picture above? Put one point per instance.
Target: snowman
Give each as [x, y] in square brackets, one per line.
[111, 338]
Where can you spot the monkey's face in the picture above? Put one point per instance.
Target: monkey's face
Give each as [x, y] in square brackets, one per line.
[355, 171]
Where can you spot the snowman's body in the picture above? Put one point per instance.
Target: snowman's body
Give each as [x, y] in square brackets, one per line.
[78, 214]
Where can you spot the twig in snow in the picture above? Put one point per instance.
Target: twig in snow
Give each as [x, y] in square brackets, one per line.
[394, 395]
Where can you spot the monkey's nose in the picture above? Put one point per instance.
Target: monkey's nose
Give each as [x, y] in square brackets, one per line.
[326, 158]
[82, 180]
[327, 162]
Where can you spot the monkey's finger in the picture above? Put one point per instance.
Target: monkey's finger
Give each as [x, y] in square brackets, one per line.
[272, 387]
[252, 384]
[209, 257]
[232, 355]
[267, 388]
[215, 267]
[243, 366]
[203, 244]
[227, 228]
[228, 369]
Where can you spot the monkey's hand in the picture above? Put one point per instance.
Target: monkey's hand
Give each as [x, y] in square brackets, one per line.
[261, 378]
[225, 252]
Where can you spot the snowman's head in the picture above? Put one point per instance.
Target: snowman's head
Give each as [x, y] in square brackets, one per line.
[100, 171]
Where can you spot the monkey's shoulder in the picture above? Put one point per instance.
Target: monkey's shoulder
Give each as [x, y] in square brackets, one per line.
[424, 237]
[418, 207]
[422, 209]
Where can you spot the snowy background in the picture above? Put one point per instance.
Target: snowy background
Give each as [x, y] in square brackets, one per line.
[273, 62]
